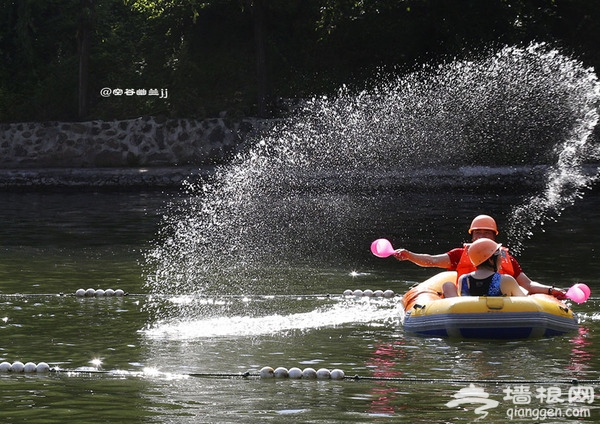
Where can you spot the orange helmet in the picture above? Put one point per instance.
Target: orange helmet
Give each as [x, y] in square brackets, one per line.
[483, 222]
[481, 250]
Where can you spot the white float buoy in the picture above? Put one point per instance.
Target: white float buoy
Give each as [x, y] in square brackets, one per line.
[388, 293]
[5, 366]
[90, 292]
[323, 373]
[42, 367]
[29, 367]
[337, 374]
[357, 292]
[119, 292]
[17, 366]
[80, 293]
[309, 373]
[347, 292]
[378, 293]
[109, 292]
[281, 372]
[368, 292]
[266, 372]
[100, 293]
[295, 372]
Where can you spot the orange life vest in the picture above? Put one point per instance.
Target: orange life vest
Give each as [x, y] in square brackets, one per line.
[465, 265]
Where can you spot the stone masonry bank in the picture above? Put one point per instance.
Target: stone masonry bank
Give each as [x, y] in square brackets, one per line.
[144, 151]
[154, 152]
[147, 141]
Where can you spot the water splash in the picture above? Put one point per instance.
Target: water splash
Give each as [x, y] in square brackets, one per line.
[251, 326]
[295, 194]
[567, 179]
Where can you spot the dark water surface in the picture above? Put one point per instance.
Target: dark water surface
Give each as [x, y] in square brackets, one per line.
[182, 367]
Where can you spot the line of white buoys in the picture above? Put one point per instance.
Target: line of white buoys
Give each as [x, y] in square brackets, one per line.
[369, 293]
[307, 373]
[28, 367]
[99, 293]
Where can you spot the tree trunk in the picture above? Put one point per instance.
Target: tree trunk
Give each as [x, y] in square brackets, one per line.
[84, 40]
[261, 58]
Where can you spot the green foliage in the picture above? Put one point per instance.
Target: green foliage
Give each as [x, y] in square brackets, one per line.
[204, 52]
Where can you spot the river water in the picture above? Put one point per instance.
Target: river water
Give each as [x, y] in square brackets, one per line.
[184, 365]
[247, 269]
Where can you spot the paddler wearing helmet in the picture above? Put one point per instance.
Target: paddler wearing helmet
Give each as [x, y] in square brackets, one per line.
[486, 256]
[482, 227]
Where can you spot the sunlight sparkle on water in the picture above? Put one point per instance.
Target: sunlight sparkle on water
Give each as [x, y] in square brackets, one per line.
[355, 274]
[97, 362]
[151, 371]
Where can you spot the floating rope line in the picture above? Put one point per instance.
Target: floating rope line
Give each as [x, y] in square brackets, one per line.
[292, 374]
[387, 294]
[357, 377]
[357, 293]
[78, 293]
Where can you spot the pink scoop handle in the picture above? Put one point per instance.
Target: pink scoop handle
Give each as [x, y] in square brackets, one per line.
[382, 248]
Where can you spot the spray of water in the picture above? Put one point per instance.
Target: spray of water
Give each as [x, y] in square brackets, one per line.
[337, 313]
[516, 106]
[567, 179]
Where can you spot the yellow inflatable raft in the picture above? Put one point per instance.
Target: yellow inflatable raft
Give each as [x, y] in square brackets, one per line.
[482, 317]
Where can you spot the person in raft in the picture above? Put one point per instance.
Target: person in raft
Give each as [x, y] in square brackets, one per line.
[483, 226]
[486, 256]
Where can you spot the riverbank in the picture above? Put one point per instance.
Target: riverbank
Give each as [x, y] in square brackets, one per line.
[141, 142]
[146, 153]
[156, 153]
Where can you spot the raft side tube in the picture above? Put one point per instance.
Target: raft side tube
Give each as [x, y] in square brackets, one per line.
[431, 287]
[428, 314]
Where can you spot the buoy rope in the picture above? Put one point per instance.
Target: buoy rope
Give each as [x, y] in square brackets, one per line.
[166, 296]
[20, 295]
[208, 296]
[267, 372]
[356, 377]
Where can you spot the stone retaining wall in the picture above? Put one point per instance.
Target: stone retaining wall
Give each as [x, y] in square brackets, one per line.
[152, 152]
[146, 141]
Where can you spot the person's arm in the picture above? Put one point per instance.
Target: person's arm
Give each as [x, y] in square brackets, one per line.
[535, 287]
[423, 259]
[510, 286]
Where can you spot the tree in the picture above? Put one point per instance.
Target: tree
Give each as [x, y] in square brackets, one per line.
[262, 77]
[84, 39]
[240, 56]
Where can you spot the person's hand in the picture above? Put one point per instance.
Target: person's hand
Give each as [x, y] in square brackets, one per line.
[560, 294]
[401, 254]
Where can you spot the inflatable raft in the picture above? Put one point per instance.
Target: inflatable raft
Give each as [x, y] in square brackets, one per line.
[427, 313]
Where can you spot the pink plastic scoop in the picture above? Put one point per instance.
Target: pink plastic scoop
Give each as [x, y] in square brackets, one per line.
[382, 248]
[579, 293]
